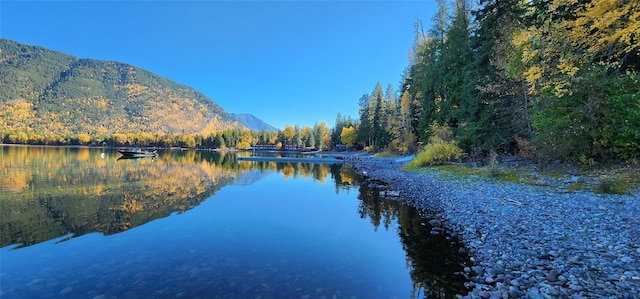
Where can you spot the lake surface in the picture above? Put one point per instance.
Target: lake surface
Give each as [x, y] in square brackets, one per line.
[81, 223]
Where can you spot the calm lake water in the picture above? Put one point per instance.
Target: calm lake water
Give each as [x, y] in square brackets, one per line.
[81, 223]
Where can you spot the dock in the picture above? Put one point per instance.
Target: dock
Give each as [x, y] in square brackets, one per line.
[313, 160]
[330, 158]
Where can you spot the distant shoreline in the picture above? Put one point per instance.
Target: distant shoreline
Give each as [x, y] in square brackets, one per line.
[147, 147]
[334, 154]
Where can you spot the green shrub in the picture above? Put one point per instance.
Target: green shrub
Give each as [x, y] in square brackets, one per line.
[493, 168]
[438, 153]
[598, 120]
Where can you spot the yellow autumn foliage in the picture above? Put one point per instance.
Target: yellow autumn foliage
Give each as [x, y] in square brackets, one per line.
[599, 29]
[608, 26]
[96, 97]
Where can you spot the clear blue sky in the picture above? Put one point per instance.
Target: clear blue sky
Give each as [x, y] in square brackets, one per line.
[287, 62]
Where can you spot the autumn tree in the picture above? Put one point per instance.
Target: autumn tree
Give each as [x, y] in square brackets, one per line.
[288, 133]
[246, 139]
[581, 63]
[406, 139]
[322, 136]
[84, 139]
[348, 136]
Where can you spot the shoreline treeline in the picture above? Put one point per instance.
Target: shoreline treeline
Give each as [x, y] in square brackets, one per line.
[318, 137]
[546, 79]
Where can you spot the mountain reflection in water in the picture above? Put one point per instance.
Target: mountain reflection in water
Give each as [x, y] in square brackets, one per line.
[60, 193]
[50, 192]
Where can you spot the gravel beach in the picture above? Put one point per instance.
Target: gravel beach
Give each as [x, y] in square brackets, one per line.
[528, 241]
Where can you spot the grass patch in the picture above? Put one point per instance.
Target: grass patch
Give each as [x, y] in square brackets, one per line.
[611, 179]
[509, 176]
[576, 186]
[460, 171]
[387, 154]
[612, 186]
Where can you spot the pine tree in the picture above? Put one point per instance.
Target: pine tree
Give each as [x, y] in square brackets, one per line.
[364, 130]
[459, 106]
[377, 129]
[427, 82]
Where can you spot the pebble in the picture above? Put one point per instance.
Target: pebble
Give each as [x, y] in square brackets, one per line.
[515, 283]
[552, 277]
[540, 241]
[515, 293]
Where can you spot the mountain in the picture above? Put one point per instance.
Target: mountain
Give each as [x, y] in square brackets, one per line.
[45, 91]
[252, 122]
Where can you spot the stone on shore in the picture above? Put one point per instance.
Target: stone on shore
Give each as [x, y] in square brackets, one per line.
[528, 241]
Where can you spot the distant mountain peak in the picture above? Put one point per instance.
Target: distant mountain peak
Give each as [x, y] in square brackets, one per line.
[252, 122]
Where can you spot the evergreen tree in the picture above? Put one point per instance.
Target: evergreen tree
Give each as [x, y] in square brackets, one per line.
[297, 139]
[458, 102]
[500, 82]
[427, 85]
[311, 142]
[377, 117]
[219, 143]
[364, 130]
[337, 129]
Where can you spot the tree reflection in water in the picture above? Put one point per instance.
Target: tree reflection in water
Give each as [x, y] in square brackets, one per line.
[435, 262]
[51, 192]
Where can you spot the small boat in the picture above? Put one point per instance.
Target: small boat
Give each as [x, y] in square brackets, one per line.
[136, 152]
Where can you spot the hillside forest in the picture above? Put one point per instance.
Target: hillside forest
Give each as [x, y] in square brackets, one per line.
[47, 93]
[51, 98]
[544, 79]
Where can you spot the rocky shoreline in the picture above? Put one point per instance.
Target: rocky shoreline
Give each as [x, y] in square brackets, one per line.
[528, 241]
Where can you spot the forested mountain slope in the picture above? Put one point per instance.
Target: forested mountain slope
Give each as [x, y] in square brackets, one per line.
[44, 91]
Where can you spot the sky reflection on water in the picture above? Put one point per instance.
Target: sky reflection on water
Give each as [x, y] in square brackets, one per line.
[278, 236]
